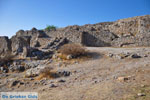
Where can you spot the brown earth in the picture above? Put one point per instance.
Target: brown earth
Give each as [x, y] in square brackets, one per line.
[98, 78]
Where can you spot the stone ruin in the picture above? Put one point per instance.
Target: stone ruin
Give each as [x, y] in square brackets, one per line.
[130, 32]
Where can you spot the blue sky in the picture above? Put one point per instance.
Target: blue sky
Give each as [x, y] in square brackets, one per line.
[25, 14]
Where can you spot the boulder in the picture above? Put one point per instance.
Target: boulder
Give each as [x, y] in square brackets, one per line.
[20, 45]
[5, 45]
[55, 43]
[5, 50]
[34, 71]
[135, 56]
[40, 54]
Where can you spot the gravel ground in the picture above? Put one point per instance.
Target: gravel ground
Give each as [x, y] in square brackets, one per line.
[105, 76]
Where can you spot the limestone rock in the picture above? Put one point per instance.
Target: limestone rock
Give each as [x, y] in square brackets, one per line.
[135, 56]
[34, 71]
[123, 78]
[141, 94]
[14, 83]
[5, 45]
[20, 45]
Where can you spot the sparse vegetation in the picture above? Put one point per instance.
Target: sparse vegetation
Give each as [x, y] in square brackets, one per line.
[47, 73]
[50, 28]
[74, 50]
[141, 90]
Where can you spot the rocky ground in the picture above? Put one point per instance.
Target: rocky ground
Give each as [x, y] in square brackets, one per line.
[106, 74]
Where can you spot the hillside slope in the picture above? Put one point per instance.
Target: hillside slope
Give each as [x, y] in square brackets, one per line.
[111, 74]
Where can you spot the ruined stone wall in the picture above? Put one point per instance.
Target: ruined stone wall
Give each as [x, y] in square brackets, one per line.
[133, 31]
[33, 33]
[129, 32]
[134, 26]
[89, 35]
[97, 39]
[72, 33]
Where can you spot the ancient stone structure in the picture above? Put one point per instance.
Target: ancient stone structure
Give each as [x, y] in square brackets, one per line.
[129, 32]
[133, 31]
[33, 33]
[72, 33]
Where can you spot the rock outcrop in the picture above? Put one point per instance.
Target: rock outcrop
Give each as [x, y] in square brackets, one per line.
[5, 45]
[5, 51]
[20, 45]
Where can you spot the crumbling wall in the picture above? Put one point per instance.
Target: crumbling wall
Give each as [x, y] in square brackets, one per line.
[71, 33]
[133, 31]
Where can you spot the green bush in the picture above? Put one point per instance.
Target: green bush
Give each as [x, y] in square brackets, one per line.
[50, 28]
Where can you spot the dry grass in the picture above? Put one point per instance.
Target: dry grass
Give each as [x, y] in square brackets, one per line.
[47, 73]
[62, 56]
[75, 50]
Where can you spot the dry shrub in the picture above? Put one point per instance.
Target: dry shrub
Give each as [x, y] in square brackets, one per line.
[74, 50]
[47, 73]
[62, 56]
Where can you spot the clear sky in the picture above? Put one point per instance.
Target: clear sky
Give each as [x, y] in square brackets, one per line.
[25, 14]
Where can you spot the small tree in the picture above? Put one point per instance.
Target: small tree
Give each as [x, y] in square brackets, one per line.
[50, 28]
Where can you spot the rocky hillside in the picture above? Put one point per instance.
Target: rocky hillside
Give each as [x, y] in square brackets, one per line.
[109, 74]
[129, 32]
[30, 61]
[133, 31]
